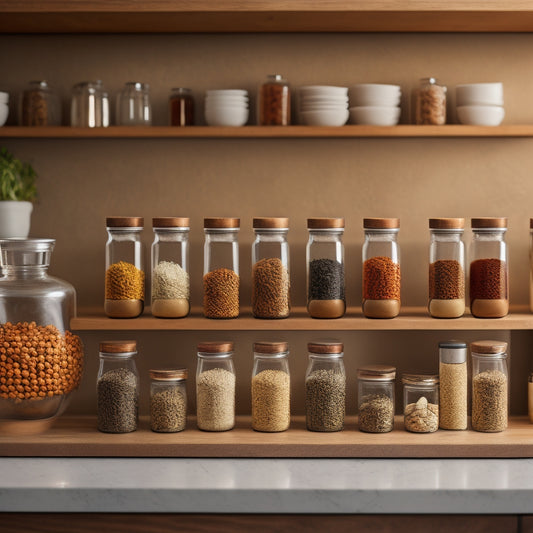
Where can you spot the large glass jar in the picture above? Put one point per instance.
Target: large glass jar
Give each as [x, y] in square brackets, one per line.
[133, 105]
[325, 268]
[221, 268]
[270, 268]
[41, 361]
[489, 270]
[381, 268]
[170, 267]
[124, 263]
[421, 402]
[453, 376]
[39, 105]
[89, 106]
[181, 105]
[430, 102]
[168, 400]
[274, 102]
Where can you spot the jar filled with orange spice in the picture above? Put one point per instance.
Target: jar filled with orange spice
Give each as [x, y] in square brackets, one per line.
[274, 102]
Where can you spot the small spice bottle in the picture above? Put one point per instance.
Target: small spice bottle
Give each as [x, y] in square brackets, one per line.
[274, 102]
[421, 402]
[325, 387]
[181, 104]
[381, 268]
[168, 400]
[271, 387]
[446, 268]
[489, 386]
[430, 102]
[453, 376]
[375, 384]
[270, 268]
[215, 386]
[117, 387]
[89, 106]
[221, 267]
[530, 398]
[133, 105]
[325, 268]
[124, 277]
[39, 105]
[170, 267]
[489, 271]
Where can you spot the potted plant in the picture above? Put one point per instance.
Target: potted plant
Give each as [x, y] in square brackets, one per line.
[17, 191]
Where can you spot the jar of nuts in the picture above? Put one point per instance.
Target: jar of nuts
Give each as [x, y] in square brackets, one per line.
[430, 102]
[39, 105]
[274, 102]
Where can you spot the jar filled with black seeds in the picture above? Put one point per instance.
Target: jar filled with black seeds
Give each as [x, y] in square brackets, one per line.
[168, 400]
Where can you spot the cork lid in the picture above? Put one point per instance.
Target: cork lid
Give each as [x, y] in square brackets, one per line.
[169, 374]
[409, 378]
[124, 222]
[215, 347]
[489, 222]
[222, 223]
[377, 372]
[170, 222]
[325, 223]
[118, 347]
[271, 347]
[381, 223]
[447, 223]
[488, 347]
[270, 223]
[325, 347]
[452, 352]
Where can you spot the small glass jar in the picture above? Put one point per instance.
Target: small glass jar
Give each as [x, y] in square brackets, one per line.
[421, 402]
[89, 105]
[381, 268]
[133, 105]
[325, 387]
[215, 387]
[221, 268]
[489, 270]
[375, 385]
[39, 105]
[530, 398]
[124, 277]
[181, 104]
[325, 268]
[270, 268]
[274, 102]
[168, 400]
[117, 387]
[446, 268]
[489, 386]
[430, 102]
[271, 387]
[170, 267]
[453, 376]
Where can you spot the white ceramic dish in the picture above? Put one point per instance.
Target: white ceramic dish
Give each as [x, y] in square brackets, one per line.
[375, 115]
[4, 112]
[214, 105]
[4, 97]
[375, 94]
[481, 115]
[310, 107]
[226, 92]
[323, 90]
[226, 116]
[329, 117]
[479, 94]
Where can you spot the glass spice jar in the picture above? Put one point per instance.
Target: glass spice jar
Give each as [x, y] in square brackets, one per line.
[421, 402]
[133, 105]
[89, 105]
[274, 102]
[39, 105]
[453, 376]
[430, 102]
[181, 104]
[168, 400]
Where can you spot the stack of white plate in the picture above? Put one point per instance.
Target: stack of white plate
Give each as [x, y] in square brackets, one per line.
[226, 107]
[480, 104]
[323, 105]
[376, 104]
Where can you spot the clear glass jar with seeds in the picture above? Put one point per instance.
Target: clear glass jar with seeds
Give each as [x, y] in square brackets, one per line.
[325, 268]
[421, 402]
[430, 102]
[39, 105]
[270, 268]
[124, 263]
[168, 400]
[274, 102]
[453, 376]
[271, 387]
[170, 267]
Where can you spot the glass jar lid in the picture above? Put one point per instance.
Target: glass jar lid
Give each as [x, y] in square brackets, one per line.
[325, 347]
[452, 352]
[181, 90]
[223, 223]
[118, 348]
[489, 223]
[217, 348]
[271, 348]
[420, 379]
[377, 373]
[390, 224]
[25, 252]
[169, 374]
[325, 223]
[181, 223]
[488, 348]
[124, 222]
[455, 224]
[274, 223]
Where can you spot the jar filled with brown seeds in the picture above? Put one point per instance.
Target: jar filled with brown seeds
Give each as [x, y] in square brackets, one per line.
[274, 102]
[430, 103]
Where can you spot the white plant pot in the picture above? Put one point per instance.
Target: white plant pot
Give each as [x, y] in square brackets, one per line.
[15, 218]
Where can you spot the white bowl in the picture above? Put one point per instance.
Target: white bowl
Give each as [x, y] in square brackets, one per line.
[226, 92]
[226, 104]
[375, 94]
[479, 94]
[226, 116]
[4, 97]
[323, 90]
[4, 112]
[480, 115]
[323, 117]
[375, 115]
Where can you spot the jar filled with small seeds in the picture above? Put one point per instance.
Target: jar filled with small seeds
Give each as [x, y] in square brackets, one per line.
[271, 387]
[489, 270]
[215, 386]
[124, 276]
[170, 267]
[39, 105]
[270, 268]
[430, 102]
[381, 268]
[325, 387]
[421, 402]
[489, 386]
[453, 377]
[274, 102]
[376, 398]
[117, 387]
[168, 400]
[221, 268]
[325, 268]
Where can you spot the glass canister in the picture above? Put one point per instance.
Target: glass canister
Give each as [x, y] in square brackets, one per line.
[89, 106]
[325, 387]
[489, 270]
[453, 376]
[41, 361]
[274, 102]
[170, 267]
[430, 102]
[489, 386]
[168, 400]
[325, 268]
[421, 402]
[271, 387]
[446, 268]
[133, 105]
[270, 268]
[381, 268]
[124, 262]
[375, 385]
[39, 105]
[215, 386]
[181, 105]
[117, 387]
[221, 267]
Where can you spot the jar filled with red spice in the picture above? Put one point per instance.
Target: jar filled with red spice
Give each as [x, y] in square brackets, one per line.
[489, 270]
[381, 268]
[181, 107]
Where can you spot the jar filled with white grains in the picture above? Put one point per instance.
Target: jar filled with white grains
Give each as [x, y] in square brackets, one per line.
[421, 402]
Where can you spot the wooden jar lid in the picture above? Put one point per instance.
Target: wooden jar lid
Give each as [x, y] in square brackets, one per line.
[325, 223]
[124, 222]
[377, 372]
[169, 374]
[170, 222]
[447, 223]
[489, 222]
[420, 379]
[381, 223]
[271, 347]
[488, 347]
[270, 223]
[222, 223]
[215, 347]
[118, 346]
[325, 347]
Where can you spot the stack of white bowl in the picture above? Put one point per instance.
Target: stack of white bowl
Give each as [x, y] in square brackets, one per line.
[323, 105]
[4, 107]
[480, 104]
[226, 107]
[376, 104]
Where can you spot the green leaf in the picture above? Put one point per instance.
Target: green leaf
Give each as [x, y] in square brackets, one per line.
[17, 179]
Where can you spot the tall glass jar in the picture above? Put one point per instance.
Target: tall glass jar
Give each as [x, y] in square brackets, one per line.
[133, 105]
[168, 400]
[271, 387]
[124, 262]
[117, 387]
[274, 102]
[221, 268]
[37, 377]
[181, 105]
[430, 102]
[446, 268]
[89, 106]
[375, 399]
[325, 268]
[421, 402]
[381, 268]
[489, 270]
[39, 105]
[170, 267]
[453, 375]
[270, 268]
[325, 387]
[215, 386]
[489, 386]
